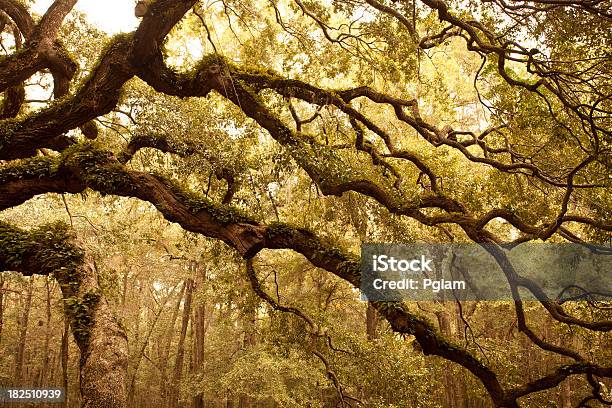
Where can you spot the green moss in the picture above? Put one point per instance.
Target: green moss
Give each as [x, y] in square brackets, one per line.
[208, 61]
[38, 167]
[7, 128]
[50, 250]
[278, 229]
[197, 203]
[49, 247]
[13, 246]
[80, 312]
[98, 168]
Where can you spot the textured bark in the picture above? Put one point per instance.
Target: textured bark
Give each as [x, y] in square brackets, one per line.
[20, 15]
[13, 100]
[104, 355]
[102, 342]
[371, 322]
[41, 50]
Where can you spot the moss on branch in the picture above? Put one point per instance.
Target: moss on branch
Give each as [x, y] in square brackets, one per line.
[80, 312]
[50, 250]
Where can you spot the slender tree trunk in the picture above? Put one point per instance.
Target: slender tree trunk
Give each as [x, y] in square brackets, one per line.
[64, 360]
[250, 340]
[200, 332]
[164, 354]
[371, 322]
[229, 400]
[1, 305]
[453, 392]
[142, 350]
[44, 374]
[445, 329]
[180, 349]
[23, 322]
[565, 396]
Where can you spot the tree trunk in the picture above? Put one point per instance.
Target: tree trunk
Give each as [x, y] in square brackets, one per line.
[143, 348]
[200, 331]
[44, 374]
[101, 340]
[566, 394]
[164, 353]
[371, 322]
[23, 321]
[454, 397]
[249, 341]
[64, 360]
[180, 349]
[1, 306]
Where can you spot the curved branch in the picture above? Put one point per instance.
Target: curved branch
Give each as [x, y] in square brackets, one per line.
[100, 92]
[83, 166]
[20, 15]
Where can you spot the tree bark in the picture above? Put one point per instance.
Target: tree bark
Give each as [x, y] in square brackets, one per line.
[453, 395]
[102, 342]
[180, 349]
[100, 338]
[371, 322]
[2, 283]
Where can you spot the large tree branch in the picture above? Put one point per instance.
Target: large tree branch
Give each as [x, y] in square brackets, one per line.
[41, 48]
[100, 93]
[20, 15]
[84, 167]
[183, 149]
[215, 73]
[81, 167]
[51, 22]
